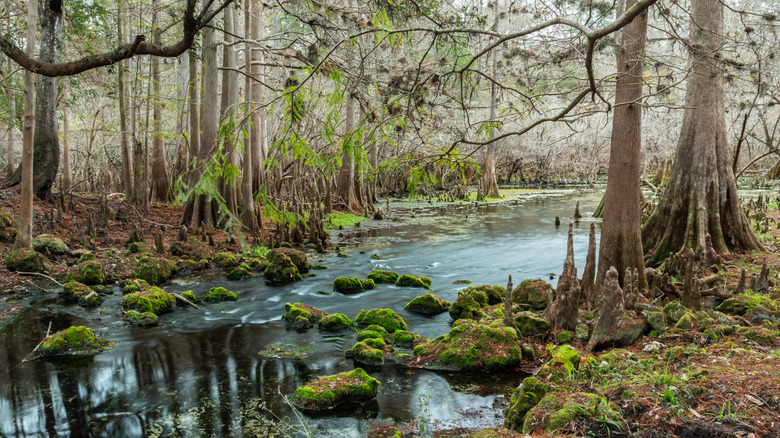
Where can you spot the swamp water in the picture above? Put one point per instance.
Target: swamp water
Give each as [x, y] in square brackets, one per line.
[199, 373]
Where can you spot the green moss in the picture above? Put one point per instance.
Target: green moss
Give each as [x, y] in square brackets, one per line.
[474, 346]
[319, 267]
[90, 300]
[87, 257]
[73, 290]
[564, 337]
[298, 258]
[380, 276]
[528, 324]
[48, 244]
[685, 322]
[674, 311]
[413, 281]
[153, 269]
[140, 319]
[283, 350]
[281, 269]
[532, 294]
[336, 322]
[656, 320]
[220, 294]
[462, 281]
[301, 315]
[373, 332]
[190, 295]
[75, 340]
[226, 260]
[154, 300]
[406, 339]
[353, 285]
[759, 335]
[364, 353]
[240, 273]
[90, 273]
[375, 343]
[470, 304]
[525, 397]
[340, 220]
[25, 260]
[329, 392]
[582, 332]
[386, 318]
[428, 304]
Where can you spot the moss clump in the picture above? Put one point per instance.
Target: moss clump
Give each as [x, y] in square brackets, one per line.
[154, 300]
[190, 296]
[281, 269]
[525, 397]
[470, 304]
[336, 322]
[428, 304]
[734, 306]
[759, 335]
[380, 276]
[347, 285]
[225, 260]
[473, 346]
[373, 332]
[385, 318]
[532, 294]
[74, 341]
[555, 411]
[240, 273]
[74, 291]
[90, 300]
[25, 260]
[153, 269]
[674, 311]
[90, 273]
[48, 244]
[220, 294]
[413, 281]
[656, 321]
[140, 319]
[685, 322]
[564, 337]
[407, 339]
[329, 392]
[87, 256]
[462, 281]
[367, 354]
[298, 258]
[301, 315]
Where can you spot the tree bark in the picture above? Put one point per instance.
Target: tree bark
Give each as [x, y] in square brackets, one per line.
[159, 169]
[227, 109]
[25, 225]
[248, 218]
[621, 233]
[126, 140]
[489, 179]
[345, 185]
[66, 170]
[701, 196]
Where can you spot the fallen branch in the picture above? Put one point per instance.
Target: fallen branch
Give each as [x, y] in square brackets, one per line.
[42, 275]
[48, 331]
[186, 301]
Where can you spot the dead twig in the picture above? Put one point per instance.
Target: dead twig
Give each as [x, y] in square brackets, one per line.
[41, 275]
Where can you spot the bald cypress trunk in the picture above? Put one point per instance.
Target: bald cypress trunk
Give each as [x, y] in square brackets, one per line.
[701, 196]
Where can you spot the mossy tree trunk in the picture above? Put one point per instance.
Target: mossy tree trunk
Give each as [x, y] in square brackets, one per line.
[701, 196]
[621, 233]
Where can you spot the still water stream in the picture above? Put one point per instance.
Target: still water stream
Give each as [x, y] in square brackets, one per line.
[199, 372]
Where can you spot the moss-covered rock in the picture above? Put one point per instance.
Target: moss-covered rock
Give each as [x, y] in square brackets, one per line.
[564, 337]
[380, 276]
[532, 294]
[90, 273]
[413, 281]
[374, 332]
[302, 316]
[154, 300]
[385, 318]
[364, 353]
[625, 332]
[90, 300]
[470, 304]
[656, 321]
[190, 296]
[219, 294]
[73, 341]
[74, 291]
[472, 346]
[298, 258]
[555, 411]
[336, 322]
[87, 256]
[738, 305]
[674, 311]
[240, 273]
[281, 269]
[582, 332]
[153, 269]
[226, 260]
[428, 304]
[140, 319]
[529, 324]
[685, 322]
[525, 397]
[329, 392]
[25, 260]
[759, 335]
[48, 244]
[352, 285]
[407, 339]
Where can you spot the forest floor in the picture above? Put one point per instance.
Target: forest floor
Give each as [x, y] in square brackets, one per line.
[681, 383]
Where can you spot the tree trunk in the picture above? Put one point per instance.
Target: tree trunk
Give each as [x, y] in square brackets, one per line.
[46, 157]
[621, 232]
[194, 113]
[9, 165]
[25, 225]
[248, 218]
[159, 169]
[489, 178]
[228, 107]
[66, 171]
[701, 196]
[127, 162]
[260, 148]
[345, 185]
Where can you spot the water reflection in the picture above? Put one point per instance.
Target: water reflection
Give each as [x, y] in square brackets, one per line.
[199, 372]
